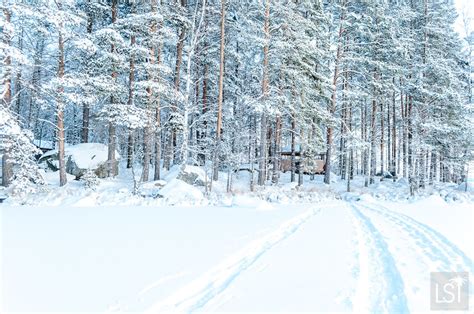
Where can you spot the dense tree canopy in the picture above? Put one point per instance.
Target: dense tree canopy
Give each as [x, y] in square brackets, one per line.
[374, 86]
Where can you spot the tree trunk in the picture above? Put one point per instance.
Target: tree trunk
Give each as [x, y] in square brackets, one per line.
[203, 132]
[373, 157]
[301, 164]
[394, 137]
[332, 107]
[342, 143]
[404, 140]
[434, 167]
[253, 148]
[277, 151]
[350, 161]
[183, 155]
[293, 147]
[60, 107]
[221, 94]
[382, 140]
[6, 99]
[35, 80]
[263, 121]
[150, 105]
[85, 106]
[171, 145]
[19, 87]
[112, 162]
[131, 81]
[365, 156]
[157, 172]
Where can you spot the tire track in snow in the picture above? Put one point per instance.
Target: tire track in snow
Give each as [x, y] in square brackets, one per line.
[380, 287]
[439, 250]
[199, 292]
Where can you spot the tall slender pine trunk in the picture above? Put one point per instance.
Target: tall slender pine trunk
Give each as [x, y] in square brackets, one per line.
[332, 106]
[85, 105]
[220, 95]
[60, 106]
[262, 173]
[6, 99]
[112, 138]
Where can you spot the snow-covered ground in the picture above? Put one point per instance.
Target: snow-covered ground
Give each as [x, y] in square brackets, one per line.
[175, 247]
[172, 191]
[359, 254]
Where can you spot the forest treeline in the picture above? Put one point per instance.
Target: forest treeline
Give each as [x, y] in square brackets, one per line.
[375, 87]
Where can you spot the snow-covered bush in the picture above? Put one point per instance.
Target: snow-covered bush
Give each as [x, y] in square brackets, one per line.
[18, 151]
[90, 179]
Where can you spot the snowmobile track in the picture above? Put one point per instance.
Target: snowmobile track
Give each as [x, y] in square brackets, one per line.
[434, 245]
[196, 294]
[380, 287]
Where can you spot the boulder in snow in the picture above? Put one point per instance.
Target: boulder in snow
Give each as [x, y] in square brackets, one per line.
[80, 158]
[193, 175]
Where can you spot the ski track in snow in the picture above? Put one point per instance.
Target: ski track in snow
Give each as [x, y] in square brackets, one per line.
[441, 253]
[380, 286]
[432, 249]
[195, 295]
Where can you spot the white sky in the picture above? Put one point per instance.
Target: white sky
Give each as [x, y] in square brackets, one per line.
[464, 7]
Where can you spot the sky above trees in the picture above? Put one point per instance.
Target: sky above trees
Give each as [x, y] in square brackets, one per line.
[464, 7]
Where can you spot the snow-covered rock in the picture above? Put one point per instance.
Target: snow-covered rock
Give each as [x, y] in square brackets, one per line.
[193, 175]
[80, 158]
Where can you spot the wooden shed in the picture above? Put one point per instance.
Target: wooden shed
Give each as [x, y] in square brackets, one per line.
[312, 164]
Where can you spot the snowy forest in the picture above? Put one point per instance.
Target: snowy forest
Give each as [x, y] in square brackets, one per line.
[236, 156]
[369, 88]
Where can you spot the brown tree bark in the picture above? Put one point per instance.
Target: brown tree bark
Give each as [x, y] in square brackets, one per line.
[293, 147]
[111, 160]
[382, 139]
[60, 106]
[394, 136]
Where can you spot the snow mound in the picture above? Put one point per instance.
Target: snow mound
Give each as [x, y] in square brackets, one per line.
[52, 178]
[350, 196]
[367, 198]
[89, 155]
[290, 186]
[179, 192]
[251, 202]
[151, 189]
